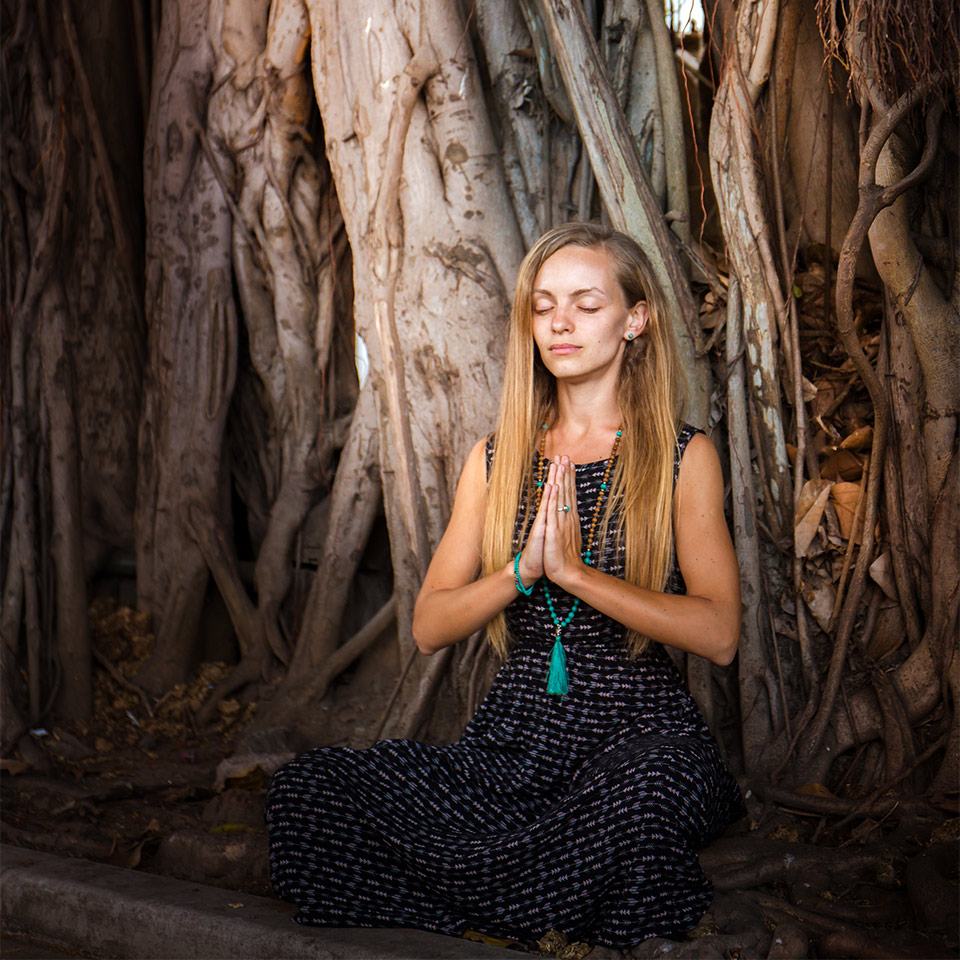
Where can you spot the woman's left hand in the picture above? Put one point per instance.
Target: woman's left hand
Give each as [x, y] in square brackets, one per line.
[563, 539]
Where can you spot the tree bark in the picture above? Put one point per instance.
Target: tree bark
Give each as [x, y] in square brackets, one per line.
[436, 248]
[192, 327]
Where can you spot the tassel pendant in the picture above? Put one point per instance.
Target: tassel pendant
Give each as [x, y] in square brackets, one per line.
[557, 679]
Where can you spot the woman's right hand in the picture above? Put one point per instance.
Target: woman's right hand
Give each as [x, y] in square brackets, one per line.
[531, 560]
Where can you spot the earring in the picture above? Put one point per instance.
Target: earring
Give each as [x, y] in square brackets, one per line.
[630, 336]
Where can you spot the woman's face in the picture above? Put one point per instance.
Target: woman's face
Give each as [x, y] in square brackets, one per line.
[580, 320]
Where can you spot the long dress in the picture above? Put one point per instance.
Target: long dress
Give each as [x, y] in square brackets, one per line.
[581, 814]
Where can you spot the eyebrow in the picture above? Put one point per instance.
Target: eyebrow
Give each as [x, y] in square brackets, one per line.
[576, 293]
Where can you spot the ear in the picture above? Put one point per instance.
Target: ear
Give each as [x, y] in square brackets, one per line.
[636, 320]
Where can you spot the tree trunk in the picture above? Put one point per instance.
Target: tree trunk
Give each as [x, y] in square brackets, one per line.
[436, 248]
[192, 335]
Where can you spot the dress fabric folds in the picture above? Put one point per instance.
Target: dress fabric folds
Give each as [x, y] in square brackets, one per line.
[581, 814]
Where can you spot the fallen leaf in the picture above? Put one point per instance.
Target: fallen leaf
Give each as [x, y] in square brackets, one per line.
[13, 766]
[844, 497]
[478, 937]
[813, 498]
[785, 831]
[815, 790]
[842, 464]
[882, 574]
[946, 831]
[819, 596]
[859, 439]
[234, 906]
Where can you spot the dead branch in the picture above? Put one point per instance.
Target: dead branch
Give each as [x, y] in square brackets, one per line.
[121, 679]
[353, 648]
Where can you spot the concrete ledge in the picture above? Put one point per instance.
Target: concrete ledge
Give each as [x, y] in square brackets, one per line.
[111, 912]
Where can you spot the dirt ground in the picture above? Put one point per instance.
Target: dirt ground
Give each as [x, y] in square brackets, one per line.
[140, 786]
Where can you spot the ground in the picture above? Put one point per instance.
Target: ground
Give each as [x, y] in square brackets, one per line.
[155, 793]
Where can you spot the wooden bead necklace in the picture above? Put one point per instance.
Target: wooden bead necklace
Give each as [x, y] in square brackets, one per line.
[557, 682]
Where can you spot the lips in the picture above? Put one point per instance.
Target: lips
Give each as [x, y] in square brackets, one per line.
[563, 349]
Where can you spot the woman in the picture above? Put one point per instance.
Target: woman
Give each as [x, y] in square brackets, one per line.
[586, 534]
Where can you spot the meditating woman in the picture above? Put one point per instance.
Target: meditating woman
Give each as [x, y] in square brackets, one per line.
[586, 535]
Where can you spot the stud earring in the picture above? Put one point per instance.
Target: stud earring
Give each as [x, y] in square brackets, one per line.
[630, 336]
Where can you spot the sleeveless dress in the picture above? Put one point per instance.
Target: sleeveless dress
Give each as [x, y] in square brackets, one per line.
[580, 814]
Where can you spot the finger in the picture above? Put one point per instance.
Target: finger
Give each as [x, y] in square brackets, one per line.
[570, 487]
[551, 499]
[544, 496]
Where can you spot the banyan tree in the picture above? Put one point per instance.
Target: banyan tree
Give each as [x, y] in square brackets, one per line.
[257, 259]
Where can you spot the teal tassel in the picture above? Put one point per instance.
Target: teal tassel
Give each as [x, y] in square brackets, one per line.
[557, 680]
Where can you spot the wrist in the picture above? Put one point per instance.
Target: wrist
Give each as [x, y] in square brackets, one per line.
[522, 572]
[572, 576]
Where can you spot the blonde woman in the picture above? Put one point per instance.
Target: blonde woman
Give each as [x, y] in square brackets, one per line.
[586, 535]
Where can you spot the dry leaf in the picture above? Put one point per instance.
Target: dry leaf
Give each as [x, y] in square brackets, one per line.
[842, 464]
[819, 596]
[882, 574]
[860, 439]
[126, 858]
[946, 831]
[785, 831]
[478, 937]
[13, 766]
[234, 906]
[844, 497]
[815, 790]
[813, 498]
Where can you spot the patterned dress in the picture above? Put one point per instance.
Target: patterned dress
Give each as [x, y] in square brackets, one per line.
[580, 814]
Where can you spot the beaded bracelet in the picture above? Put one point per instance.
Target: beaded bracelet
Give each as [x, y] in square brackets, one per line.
[526, 591]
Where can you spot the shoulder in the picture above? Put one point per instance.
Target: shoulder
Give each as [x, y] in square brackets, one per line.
[699, 474]
[477, 464]
[686, 433]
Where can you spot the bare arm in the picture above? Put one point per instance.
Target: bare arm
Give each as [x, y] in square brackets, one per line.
[453, 603]
[705, 621]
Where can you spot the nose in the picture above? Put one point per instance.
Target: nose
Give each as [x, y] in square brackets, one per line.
[562, 319]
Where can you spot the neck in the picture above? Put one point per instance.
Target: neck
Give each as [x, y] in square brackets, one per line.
[583, 408]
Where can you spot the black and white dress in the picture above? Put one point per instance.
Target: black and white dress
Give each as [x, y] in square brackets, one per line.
[581, 814]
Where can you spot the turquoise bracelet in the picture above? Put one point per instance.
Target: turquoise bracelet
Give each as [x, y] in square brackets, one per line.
[526, 591]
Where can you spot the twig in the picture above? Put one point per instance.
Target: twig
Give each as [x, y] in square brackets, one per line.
[393, 696]
[122, 680]
[874, 797]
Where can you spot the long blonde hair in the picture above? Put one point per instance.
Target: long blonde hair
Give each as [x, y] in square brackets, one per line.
[648, 392]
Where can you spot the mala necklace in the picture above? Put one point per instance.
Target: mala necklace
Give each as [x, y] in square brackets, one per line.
[557, 677]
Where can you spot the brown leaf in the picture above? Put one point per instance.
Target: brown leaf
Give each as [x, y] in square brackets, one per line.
[881, 570]
[844, 497]
[815, 789]
[126, 858]
[860, 439]
[813, 498]
[819, 596]
[13, 766]
[842, 464]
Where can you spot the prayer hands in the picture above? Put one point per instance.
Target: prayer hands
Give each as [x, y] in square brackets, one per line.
[554, 544]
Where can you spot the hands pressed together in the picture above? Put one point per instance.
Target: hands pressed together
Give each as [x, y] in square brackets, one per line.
[554, 544]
